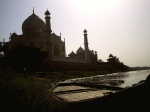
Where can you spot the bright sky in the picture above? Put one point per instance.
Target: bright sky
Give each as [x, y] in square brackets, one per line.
[119, 27]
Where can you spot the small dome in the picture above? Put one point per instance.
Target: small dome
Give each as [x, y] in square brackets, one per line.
[85, 31]
[31, 23]
[80, 51]
[71, 54]
[14, 35]
[47, 13]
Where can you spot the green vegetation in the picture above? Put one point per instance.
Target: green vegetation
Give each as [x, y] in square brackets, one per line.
[23, 57]
[22, 93]
[63, 75]
[139, 68]
[30, 92]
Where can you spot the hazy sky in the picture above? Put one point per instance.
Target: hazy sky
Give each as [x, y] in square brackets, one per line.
[119, 27]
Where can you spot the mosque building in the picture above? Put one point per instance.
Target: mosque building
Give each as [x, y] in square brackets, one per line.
[37, 33]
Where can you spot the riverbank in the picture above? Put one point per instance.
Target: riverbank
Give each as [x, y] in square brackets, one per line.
[26, 92]
[65, 75]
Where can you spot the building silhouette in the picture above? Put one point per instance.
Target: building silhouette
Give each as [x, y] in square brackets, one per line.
[37, 33]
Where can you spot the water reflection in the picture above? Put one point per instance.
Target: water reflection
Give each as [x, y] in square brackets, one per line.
[135, 77]
[121, 79]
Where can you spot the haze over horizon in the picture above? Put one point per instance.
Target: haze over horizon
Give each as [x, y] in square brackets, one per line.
[118, 27]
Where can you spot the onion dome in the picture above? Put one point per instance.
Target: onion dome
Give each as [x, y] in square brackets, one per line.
[47, 13]
[80, 51]
[33, 22]
[85, 31]
[71, 54]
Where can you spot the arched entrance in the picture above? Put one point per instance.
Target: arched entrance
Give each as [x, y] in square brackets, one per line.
[56, 50]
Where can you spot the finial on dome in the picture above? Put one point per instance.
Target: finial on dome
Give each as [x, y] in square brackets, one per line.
[33, 10]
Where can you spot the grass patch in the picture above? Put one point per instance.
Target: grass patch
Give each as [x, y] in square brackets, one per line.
[63, 75]
[27, 94]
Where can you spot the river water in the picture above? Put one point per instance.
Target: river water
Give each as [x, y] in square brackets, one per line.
[135, 77]
[120, 79]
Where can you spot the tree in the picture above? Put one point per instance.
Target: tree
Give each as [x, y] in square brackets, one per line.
[23, 57]
[1, 50]
[114, 61]
[3, 60]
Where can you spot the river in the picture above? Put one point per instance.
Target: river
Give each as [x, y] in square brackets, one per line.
[134, 77]
[120, 79]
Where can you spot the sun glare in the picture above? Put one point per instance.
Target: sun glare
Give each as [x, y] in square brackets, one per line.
[94, 6]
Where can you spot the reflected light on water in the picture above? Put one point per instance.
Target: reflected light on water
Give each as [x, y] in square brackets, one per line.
[121, 79]
[135, 77]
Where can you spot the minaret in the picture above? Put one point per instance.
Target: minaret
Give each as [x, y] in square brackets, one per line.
[47, 18]
[48, 34]
[87, 58]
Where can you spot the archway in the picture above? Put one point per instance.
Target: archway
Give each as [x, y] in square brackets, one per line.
[56, 50]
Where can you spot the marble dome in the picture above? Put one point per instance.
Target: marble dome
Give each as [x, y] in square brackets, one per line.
[31, 23]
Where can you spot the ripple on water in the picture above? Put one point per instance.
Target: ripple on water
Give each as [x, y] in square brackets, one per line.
[121, 79]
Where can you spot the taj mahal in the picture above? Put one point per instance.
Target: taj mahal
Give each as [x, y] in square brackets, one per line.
[37, 33]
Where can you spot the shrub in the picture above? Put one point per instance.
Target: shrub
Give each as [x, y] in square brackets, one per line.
[27, 94]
